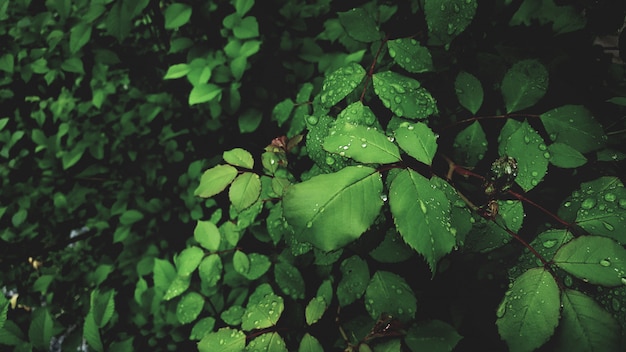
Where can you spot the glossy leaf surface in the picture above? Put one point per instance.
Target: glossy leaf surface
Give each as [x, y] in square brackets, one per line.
[417, 140]
[524, 84]
[575, 126]
[410, 55]
[389, 293]
[363, 144]
[338, 84]
[469, 91]
[404, 96]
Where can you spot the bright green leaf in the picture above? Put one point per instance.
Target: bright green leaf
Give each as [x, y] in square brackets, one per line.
[341, 82]
[177, 71]
[350, 197]
[202, 328]
[210, 270]
[268, 342]
[188, 260]
[79, 36]
[102, 306]
[404, 96]
[203, 93]
[562, 155]
[314, 310]
[259, 264]
[215, 180]
[289, 279]
[529, 313]
[359, 25]
[223, 340]
[361, 143]
[247, 28]
[40, 330]
[245, 190]
[355, 275]
[389, 293]
[179, 285]
[243, 6]
[410, 55]
[91, 333]
[524, 84]
[433, 336]
[308, 343]
[469, 91]
[421, 212]
[189, 307]
[177, 15]
[264, 313]
[241, 262]
[355, 114]
[232, 315]
[417, 140]
[575, 126]
[239, 157]
[448, 19]
[594, 259]
[208, 235]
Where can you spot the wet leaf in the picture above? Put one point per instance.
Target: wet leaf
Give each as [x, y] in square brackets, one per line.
[487, 235]
[188, 260]
[314, 310]
[224, 339]
[470, 145]
[410, 55]
[448, 19]
[289, 280]
[310, 344]
[469, 91]
[189, 307]
[269, 342]
[562, 155]
[524, 84]
[434, 336]
[361, 143]
[354, 278]
[417, 140]
[338, 84]
[404, 96]
[574, 126]
[263, 314]
[520, 141]
[359, 25]
[245, 190]
[389, 293]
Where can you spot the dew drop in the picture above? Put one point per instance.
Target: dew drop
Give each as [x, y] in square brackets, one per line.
[410, 128]
[605, 262]
[501, 310]
[330, 160]
[549, 243]
[622, 203]
[542, 147]
[546, 155]
[608, 226]
[309, 224]
[423, 207]
[588, 203]
[392, 52]
[610, 197]
[312, 120]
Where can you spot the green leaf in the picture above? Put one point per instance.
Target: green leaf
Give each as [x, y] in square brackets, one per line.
[189, 307]
[575, 126]
[210, 270]
[247, 28]
[289, 279]
[241, 263]
[177, 71]
[91, 333]
[417, 140]
[223, 340]
[282, 111]
[361, 143]
[176, 15]
[102, 306]
[232, 315]
[470, 145]
[433, 336]
[263, 314]
[355, 276]
[487, 235]
[359, 25]
[239, 157]
[215, 180]
[389, 293]
[203, 93]
[40, 331]
[7, 63]
[249, 120]
[314, 310]
[238, 67]
[527, 147]
[130, 217]
[245, 190]
[202, 328]
[74, 65]
[308, 343]
[355, 114]
[341, 82]
[529, 313]
[79, 36]
[410, 55]
[179, 285]
[421, 212]
[268, 342]
[524, 84]
[188, 260]
[208, 235]
[71, 157]
[469, 91]
[259, 264]
[562, 155]
[585, 325]
[164, 273]
[243, 6]
[603, 211]
[403, 95]
[594, 259]
[332, 210]
[448, 19]
[392, 249]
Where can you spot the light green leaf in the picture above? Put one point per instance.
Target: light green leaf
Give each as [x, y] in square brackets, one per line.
[247, 28]
[202, 328]
[268, 342]
[359, 25]
[264, 313]
[520, 141]
[243, 6]
[210, 270]
[432, 336]
[163, 274]
[470, 145]
[203, 93]
[575, 126]
[404, 96]
[91, 333]
[177, 71]
[603, 212]
[524, 84]
[341, 82]
[74, 65]
[448, 19]
[421, 212]
[188, 260]
[179, 285]
[130, 217]
[189, 307]
[562, 155]
[241, 263]
[102, 306]
[350, 197]
[259, 264]
[594, 259]
[410, 55]
[585, 325]
[41, 327]
[308, 343]
[215, 180]
[223, 340]
[177, 15]
[314, 310]
[355, 114]
[79, 36]
[361, 143]
[245, 190]
[208, 235]
[232, 315]
[289, 280]
[529, 313]
[239, 157]
[417, 140]
[469, 91]
[389, 293]
[355, 276]
[282, 111]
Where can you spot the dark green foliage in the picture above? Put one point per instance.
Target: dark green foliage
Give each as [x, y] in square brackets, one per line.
[311, 176]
